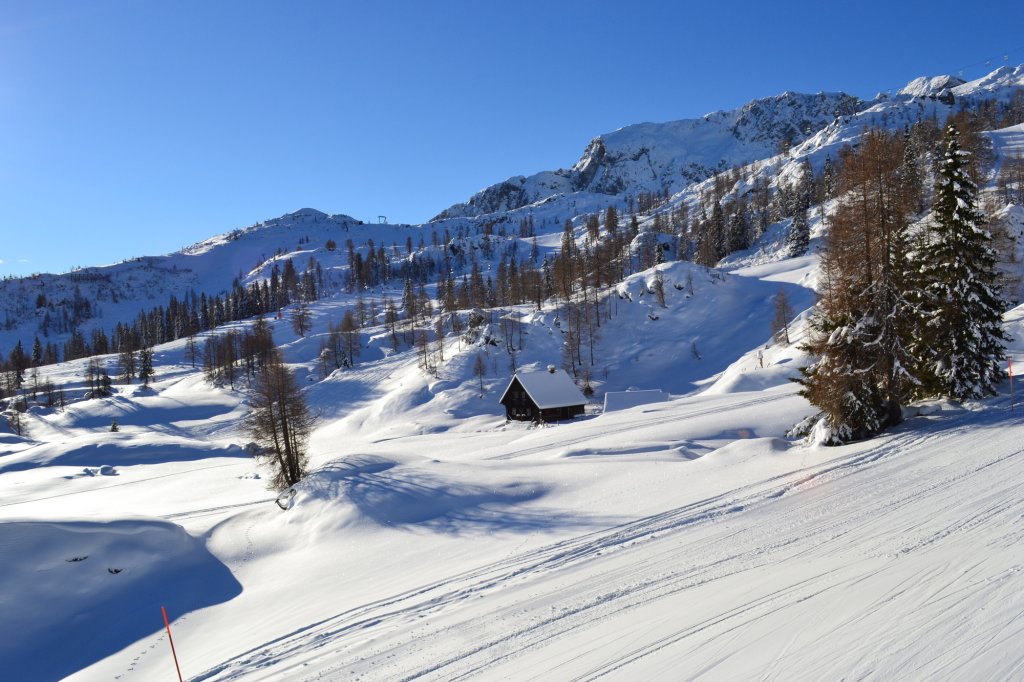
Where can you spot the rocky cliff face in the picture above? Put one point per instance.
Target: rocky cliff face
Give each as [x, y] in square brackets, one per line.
[655, 157]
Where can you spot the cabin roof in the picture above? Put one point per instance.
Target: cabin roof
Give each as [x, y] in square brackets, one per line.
[547, 389]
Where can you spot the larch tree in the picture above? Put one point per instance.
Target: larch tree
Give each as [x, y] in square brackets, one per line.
[964, 343]
[349, 331]
[783, 314]
[280, 421]
[479, 370]
[302, 319]
[865, 320]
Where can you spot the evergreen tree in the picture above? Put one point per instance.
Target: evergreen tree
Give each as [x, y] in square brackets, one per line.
[146, 371]
[828, 179]
[738, 236]
[961, 301]
[799, 233]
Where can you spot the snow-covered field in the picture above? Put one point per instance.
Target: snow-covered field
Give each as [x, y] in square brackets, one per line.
[680, 539]
[433, 540]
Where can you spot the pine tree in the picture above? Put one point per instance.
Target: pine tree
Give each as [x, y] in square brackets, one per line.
[799, 234]
[961, 301]
[146, 371]
[828, 179]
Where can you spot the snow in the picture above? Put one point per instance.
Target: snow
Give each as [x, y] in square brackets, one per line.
[1008, 141]
[72, 592]
[623, 400]
[685, 538]
[646, 543]
[548, 388]
[925, 86]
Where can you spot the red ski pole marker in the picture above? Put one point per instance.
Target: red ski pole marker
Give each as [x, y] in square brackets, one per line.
[167, 624]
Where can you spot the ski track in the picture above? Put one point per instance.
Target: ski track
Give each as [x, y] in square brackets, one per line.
[381, 639]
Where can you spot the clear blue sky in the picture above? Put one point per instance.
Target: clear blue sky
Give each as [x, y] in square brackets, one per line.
[133, 128]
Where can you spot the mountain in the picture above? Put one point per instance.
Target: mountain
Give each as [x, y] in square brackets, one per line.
[675, 158]
[666, 157]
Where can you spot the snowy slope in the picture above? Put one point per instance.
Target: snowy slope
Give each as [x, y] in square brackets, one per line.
[433, 540]
[659, 541]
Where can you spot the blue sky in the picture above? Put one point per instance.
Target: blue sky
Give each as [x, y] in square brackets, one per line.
[131, 128]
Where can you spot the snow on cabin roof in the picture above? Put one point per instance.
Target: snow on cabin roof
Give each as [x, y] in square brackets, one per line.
[548, 389]
[623, 400]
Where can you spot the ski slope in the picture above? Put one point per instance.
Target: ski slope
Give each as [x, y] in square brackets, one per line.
[676, 540]
[897, 559]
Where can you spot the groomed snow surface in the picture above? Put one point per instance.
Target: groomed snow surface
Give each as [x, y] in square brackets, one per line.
[432, 540]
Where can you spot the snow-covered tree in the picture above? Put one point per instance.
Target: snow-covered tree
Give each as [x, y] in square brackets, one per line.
[146, 371]
[865, 318]
[828, 179]
[961, 303]
[799, 234]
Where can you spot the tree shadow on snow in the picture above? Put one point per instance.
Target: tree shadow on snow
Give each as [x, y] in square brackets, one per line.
[400, 497]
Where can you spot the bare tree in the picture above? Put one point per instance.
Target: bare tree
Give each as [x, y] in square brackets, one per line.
[479, 370]
[192, 349]
[783, 314]
[350, 335]
[302, 319]
[280, 422]
[659, 288]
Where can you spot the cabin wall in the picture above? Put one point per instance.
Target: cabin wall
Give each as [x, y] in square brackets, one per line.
[520, 407]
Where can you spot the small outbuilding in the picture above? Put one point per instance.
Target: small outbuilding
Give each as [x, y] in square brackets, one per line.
[541, 395]
[623, 400]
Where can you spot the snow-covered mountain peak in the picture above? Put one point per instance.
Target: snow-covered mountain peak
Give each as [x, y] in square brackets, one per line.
[926, 86]
[666, 157]
[1001, 78]
[934, 86]
[305, 217]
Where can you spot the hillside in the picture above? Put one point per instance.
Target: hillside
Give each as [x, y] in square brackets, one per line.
[434, 539]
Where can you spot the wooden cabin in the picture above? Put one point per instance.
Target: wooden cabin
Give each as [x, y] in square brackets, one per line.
[542, 396]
